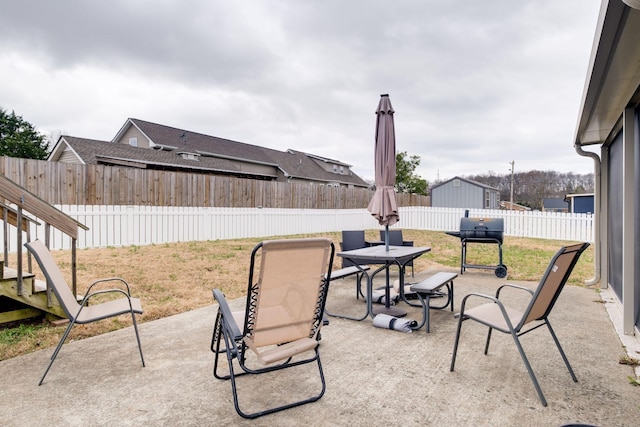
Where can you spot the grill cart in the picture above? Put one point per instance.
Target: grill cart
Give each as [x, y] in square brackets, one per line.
[481, 230]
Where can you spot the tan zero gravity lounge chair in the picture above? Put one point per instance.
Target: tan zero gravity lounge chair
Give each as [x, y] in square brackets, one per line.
[83, 313]
[496, 316]
[282, 319]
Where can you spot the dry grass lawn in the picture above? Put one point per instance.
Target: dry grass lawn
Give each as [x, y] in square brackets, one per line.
[174, 278]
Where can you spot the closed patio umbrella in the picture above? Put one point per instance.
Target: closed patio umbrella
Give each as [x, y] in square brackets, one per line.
[383, 206]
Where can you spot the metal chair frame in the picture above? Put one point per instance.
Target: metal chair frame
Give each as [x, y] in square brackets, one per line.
[497, 316]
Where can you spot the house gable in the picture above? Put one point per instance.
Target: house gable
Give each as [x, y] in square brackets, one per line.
[64, 152]
[131, 135]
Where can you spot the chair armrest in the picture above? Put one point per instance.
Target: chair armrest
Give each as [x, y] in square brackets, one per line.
[109, 279]
[227, 316]
[510, 285]
[88, 296]
[474, 294]
[503, 310]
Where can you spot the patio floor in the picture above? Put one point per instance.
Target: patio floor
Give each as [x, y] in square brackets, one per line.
[374, 376]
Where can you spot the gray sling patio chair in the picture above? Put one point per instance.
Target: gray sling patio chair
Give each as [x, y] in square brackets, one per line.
[280, 325]
[83, 312]
[496, 315]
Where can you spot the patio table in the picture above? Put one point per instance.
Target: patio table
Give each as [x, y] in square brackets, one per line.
[396, 255]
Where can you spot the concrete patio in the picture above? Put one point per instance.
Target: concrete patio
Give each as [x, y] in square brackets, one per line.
[374, 376]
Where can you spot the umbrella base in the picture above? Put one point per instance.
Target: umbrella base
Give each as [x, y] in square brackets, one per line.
[391, 311]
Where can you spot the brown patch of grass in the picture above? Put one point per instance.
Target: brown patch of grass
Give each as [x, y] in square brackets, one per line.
[174, 278]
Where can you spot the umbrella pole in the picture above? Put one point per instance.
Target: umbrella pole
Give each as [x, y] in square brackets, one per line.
[386, 237]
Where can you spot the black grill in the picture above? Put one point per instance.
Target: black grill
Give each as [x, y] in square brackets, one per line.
[481, 230]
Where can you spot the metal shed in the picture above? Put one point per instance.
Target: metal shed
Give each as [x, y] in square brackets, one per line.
[464, 193]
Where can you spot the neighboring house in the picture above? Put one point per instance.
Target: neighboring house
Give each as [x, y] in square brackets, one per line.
[609, 119]
[554, 204]
[513, 206]
[580, 203]
[464, 193]
[147, 145]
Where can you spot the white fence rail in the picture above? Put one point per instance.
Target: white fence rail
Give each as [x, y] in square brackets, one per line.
[145, 225]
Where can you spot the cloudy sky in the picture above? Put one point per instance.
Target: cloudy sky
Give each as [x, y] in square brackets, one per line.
[474, 84]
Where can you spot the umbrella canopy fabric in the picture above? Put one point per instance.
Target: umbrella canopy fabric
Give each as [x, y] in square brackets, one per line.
[383, 206]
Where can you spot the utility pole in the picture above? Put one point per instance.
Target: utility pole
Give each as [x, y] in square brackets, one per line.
[511, 201]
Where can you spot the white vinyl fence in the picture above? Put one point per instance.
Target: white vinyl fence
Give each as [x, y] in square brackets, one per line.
[145, 225]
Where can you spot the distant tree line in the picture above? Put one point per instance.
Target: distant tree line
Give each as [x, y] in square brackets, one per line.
[530, 188]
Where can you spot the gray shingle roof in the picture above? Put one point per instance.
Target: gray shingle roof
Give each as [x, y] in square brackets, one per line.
[216, 155]
[291, 163]
[93, 152]
[470, 181]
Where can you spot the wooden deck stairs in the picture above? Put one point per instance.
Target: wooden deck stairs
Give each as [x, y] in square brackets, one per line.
[21, 295]
[33, 302]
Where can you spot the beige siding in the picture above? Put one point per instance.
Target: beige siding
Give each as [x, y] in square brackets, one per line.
[133, 132]
[68, 156]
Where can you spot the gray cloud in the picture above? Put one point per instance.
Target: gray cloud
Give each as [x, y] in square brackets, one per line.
[474, 84]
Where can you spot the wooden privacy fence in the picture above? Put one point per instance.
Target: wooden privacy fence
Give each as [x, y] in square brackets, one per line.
[74, 184]
[144, 225]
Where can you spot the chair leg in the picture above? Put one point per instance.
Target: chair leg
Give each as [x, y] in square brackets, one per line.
[486, 344]
[57, 350]
[135, 328]
[279, 408]
[529, 369]
[455, 345]
[218, 336]
[564, 357]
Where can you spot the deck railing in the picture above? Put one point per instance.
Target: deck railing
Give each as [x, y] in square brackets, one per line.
[22, 212]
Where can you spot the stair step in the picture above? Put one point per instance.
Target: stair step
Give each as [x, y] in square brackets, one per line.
[20, 314]
[39, 286]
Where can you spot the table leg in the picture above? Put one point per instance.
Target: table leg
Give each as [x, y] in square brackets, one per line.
[387, 308]
[369, 297]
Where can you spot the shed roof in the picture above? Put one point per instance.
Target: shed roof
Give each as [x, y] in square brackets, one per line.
[470, 181]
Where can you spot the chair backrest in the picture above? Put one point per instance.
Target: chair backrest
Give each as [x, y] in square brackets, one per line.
[352, 239]
[54, 277]
[287, 290]
[552, 282]
[395, 237]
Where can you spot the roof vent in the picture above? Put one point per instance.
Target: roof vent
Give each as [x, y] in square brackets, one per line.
[189, 156]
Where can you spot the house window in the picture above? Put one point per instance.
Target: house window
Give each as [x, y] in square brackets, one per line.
[335, 168]
[487, 196]
[456, 183]
[133, 142]
[341, 170]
